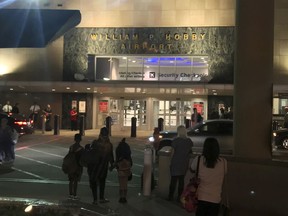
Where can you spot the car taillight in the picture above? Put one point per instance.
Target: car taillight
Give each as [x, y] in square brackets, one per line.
[20, 123]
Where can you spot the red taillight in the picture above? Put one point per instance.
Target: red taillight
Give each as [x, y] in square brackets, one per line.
[20, 123]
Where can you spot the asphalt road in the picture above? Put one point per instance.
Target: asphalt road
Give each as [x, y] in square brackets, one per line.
[38, 162]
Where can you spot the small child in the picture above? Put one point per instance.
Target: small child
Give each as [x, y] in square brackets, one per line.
[75, 176]
[123, 165]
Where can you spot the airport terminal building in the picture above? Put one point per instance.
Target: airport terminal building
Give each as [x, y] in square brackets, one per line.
[155, 59]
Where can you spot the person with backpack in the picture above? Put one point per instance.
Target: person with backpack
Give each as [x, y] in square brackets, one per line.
[71, 166]
[123, 165]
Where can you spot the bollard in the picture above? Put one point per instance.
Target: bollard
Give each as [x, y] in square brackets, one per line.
[147, 171]
[43, 124]
[56, 124]
[82, 125]
[108, 124]
[187, 123]
[164, 170]
[133, 126]
[160, 124]
[275, 125]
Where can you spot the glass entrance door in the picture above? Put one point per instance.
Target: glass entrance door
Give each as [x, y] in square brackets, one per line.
[174, 113]
[134, 108]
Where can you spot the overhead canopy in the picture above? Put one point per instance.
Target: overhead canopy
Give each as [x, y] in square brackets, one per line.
[34, 28]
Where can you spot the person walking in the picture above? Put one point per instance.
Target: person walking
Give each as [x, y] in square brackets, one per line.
[181, 150]
[15, 108]
[7, 107]
[73, 119]
[195, 117]
[34, 109]
[98, 170]
[212, 170]
[6, 141]
[123, 164]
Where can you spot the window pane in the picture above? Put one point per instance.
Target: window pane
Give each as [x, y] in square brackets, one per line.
[119, 68]
[151, 68]
[183, 68]
[135, 68]
[167, 69]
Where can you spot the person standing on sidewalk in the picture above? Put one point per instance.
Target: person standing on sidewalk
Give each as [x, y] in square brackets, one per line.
[98, 170]
[34, 109]
[212, 170]
[73, 119]
[75, 176]
[181, 150]
[123, 165]
[7, 107]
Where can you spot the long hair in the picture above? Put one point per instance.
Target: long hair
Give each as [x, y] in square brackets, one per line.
[181, 131]
[211, 152]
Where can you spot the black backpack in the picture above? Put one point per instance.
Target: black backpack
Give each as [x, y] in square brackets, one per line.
[70, 164]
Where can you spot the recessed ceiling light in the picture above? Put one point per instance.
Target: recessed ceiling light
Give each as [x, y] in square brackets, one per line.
[11, 89]
[53, 90]
[88, 88]
[67, 88]
[75, 91]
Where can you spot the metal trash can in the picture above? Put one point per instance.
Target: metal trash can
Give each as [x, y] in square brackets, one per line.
[164, 171]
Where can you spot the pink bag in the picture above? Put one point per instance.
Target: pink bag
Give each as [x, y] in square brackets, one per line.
[189, 198]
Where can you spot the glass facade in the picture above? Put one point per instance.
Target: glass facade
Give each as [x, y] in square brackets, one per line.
[152, 68]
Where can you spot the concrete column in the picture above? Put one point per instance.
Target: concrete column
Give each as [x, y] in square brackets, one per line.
[253, 78]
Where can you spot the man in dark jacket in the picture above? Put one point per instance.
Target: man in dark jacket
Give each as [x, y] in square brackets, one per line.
[98, 170]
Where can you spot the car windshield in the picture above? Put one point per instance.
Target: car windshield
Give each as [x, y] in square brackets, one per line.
[214, 127]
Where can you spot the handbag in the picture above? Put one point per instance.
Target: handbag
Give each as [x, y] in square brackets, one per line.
[189, 198]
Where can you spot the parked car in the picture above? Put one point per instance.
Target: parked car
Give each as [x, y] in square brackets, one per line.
[280, 138]
[221, 129]
[19, 122]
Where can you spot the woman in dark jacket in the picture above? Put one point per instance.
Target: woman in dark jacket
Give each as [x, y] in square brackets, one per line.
[97, 171]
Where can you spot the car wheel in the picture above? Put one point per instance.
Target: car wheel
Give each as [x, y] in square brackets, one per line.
[285, 143]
